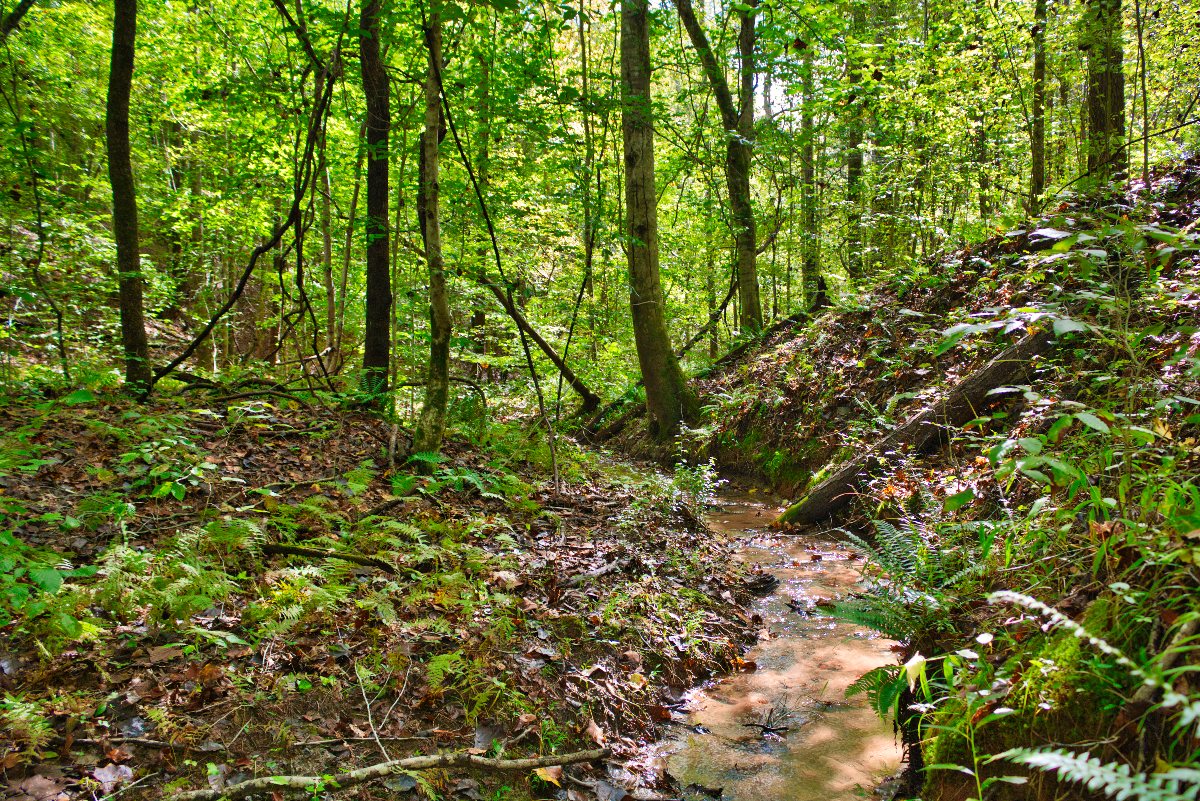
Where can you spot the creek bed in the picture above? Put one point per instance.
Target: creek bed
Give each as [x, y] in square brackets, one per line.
[782, 729]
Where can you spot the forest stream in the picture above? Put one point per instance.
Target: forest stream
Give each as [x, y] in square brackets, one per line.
[782, 727]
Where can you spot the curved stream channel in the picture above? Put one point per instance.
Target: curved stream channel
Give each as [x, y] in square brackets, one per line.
[784, 730]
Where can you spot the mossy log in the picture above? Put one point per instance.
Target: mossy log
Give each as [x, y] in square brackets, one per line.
[924, 432]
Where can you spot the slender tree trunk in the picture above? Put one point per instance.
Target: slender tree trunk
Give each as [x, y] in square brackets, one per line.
[1103, 41]
[854, 154]
[377, 330]
[431, 425]
[738, 121]
[348, 246]
[125, 222]
[327, 256]
[591, 171]
[982, 160]
[739, 155]
[667, 397]
[483, 175]
[1141, 55]
[1037, 135]
[810, 267]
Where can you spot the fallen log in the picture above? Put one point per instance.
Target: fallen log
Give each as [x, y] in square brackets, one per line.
[328, 553]
[351, 778]
[923, 432]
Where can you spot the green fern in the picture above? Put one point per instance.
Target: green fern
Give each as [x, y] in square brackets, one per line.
[883, 687]
[1116, 781]
[27, 722]
[442, 667]
[912, 599]
[360, 478]
[1189, 708]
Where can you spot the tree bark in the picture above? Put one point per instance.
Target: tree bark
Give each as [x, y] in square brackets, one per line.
[347, 779]
[431, 425]
[138, 378]
[923, 432]
[810, 269]
[667, 397]
[738, 120]
[854, 154]
[9, 24]
[327, 255]
[377, 331]
[1037, 134]
[1107, 160]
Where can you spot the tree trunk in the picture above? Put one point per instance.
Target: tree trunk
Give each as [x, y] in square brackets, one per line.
[854, 154]
[483, 162]
[9, 24]
[738, 121]
[981, 159]
[667, 396]
[377, 330]
[125, 221]
[1037, 135]
[348, 246]
[431, 426]
[327, 256]
[810, 269]
[1102, 39]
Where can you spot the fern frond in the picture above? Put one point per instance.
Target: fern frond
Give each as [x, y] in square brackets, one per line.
[1116, 781]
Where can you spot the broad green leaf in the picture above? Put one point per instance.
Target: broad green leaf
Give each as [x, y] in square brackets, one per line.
[1031, 445]
[46, 578]
[1065, 325]
[1092, 421]
[959, 500]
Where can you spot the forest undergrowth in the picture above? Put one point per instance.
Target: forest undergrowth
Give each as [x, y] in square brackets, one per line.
[202, 590]
[243, 579]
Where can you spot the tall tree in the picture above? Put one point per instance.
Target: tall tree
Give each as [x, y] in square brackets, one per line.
[377, 333]
[431, 425]
[1037, 133]
[810, 270]
[667, 397]
[854, 138]
[125, 219]
[1103, 41]
[738, 121]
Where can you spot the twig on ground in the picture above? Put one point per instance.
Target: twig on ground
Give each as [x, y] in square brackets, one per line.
[352, 778]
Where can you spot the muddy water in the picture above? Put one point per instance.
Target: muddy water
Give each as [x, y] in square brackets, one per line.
[816, 744]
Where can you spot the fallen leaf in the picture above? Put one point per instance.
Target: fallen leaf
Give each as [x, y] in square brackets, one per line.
[110, 776]
[595, 732]
[552, 774]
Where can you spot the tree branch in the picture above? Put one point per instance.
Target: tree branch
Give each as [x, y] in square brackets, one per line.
[351, 778]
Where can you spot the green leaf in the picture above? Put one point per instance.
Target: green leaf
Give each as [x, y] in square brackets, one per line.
[950, 766]
[959, 499]
[1065, 325]
[1092, 421]
[1059, 428]
[46, 578]
[79, 396]
[1031, 445]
